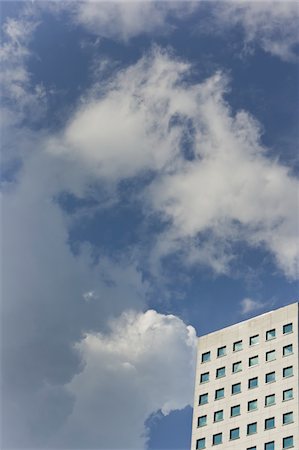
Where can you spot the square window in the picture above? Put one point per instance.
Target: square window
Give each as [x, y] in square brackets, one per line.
[287, 350]
[235, 410]
[287, 394]
[288, 442]
[253, 340]
[253, 361]
[288, 328]
[221, 351]
[287, 372]
[252, 405]
[270, 400]
[287, 418]
[203, 399]
[204, 377]
[269, 446]
[253, 383]
[200, 443]
[217, 439]
[270, 423]
[271, 334]
[218, 415]
[219, 393]
[237, 346]
[237, 367]
[270, 377]
[220, 372]
[205, 357]
[252, 428]
[234, 434]
[236, 388]
[270, 356]
[202, 421]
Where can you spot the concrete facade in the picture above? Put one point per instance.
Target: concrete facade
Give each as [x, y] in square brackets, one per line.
[259, 357]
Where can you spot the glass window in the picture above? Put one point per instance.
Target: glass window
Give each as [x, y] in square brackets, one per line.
[205, 357]
[237, 346]
[253, 383]
[237, 366]
[220, 372]
[252, 428]
[251, 448]
[288, 394]
[288, 328]
[287, 350]
[219, 393]
[236, 388]
[234, 434]
[202, 421]
[221, 351]
[288, 442]
[218, 415]
[270, 377]
[270, 400]
[200, 443]
[252, 405]
[287, 418]
[253, 340]
[270, 446]
[270, 356]
[204, 377]
[203, 399]
[287, 372]
[217, 439]
[235, 410]
[270, 423]
[271, 334]
[253, 361]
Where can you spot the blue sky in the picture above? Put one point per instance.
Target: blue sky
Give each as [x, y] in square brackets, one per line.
[149, 195]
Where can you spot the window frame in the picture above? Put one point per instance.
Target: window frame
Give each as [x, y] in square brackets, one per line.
[235, 364]
[204, 355]
[256, 357]
[273, 336]
[234, 385]
[284, 392]
[256, 385]
[287, 376]
[266, 420]
[231, 433]
[271, 352]
[288, 414]
[231, 410]
[248, 428]
[251, 339]
[205, 395]
[214, 438]
[285, 326]
[285, 347]
[270, 373]
[289, 446]
[267, 397]
[250, 402]
[221, 348]
[220, 376]
[215, 415]
[217, 391]
[198, 421]
[197, 443]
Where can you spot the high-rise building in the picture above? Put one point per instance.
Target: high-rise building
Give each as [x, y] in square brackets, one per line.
[246, 389]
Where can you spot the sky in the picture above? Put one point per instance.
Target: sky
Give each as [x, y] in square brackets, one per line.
[149, 195]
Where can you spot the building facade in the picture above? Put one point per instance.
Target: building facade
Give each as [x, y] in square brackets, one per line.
[246, 388]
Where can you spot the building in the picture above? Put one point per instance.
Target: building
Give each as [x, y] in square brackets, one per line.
[246, 389]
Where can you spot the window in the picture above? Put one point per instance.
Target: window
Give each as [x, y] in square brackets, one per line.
[287, 350]
[288, 328]
[220, 372]
[270, 446]
[235, 411]
[251, 448]
[287, 418]
[288, 442]
[217, 439]
[287, 395]
[237, 367]
[236, 388]
[204, 377]
[287, 372]
[253, 340]
[202, 421]
[203, 399]
[218, 415]
[270, 423]
[221, 351]
[234, 434]
[270, 377]
[219, 393]
[200, 443]
[253, 383]
[252, 428]
[253, 361]
[237, 346]
[270, 356]
[271, 334]
[205, 357]
[252, 405]
[270, 400]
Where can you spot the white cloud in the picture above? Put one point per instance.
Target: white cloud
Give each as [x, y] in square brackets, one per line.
[248, 305]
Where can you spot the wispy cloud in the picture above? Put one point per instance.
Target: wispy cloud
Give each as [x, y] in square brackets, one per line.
[249, 305]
